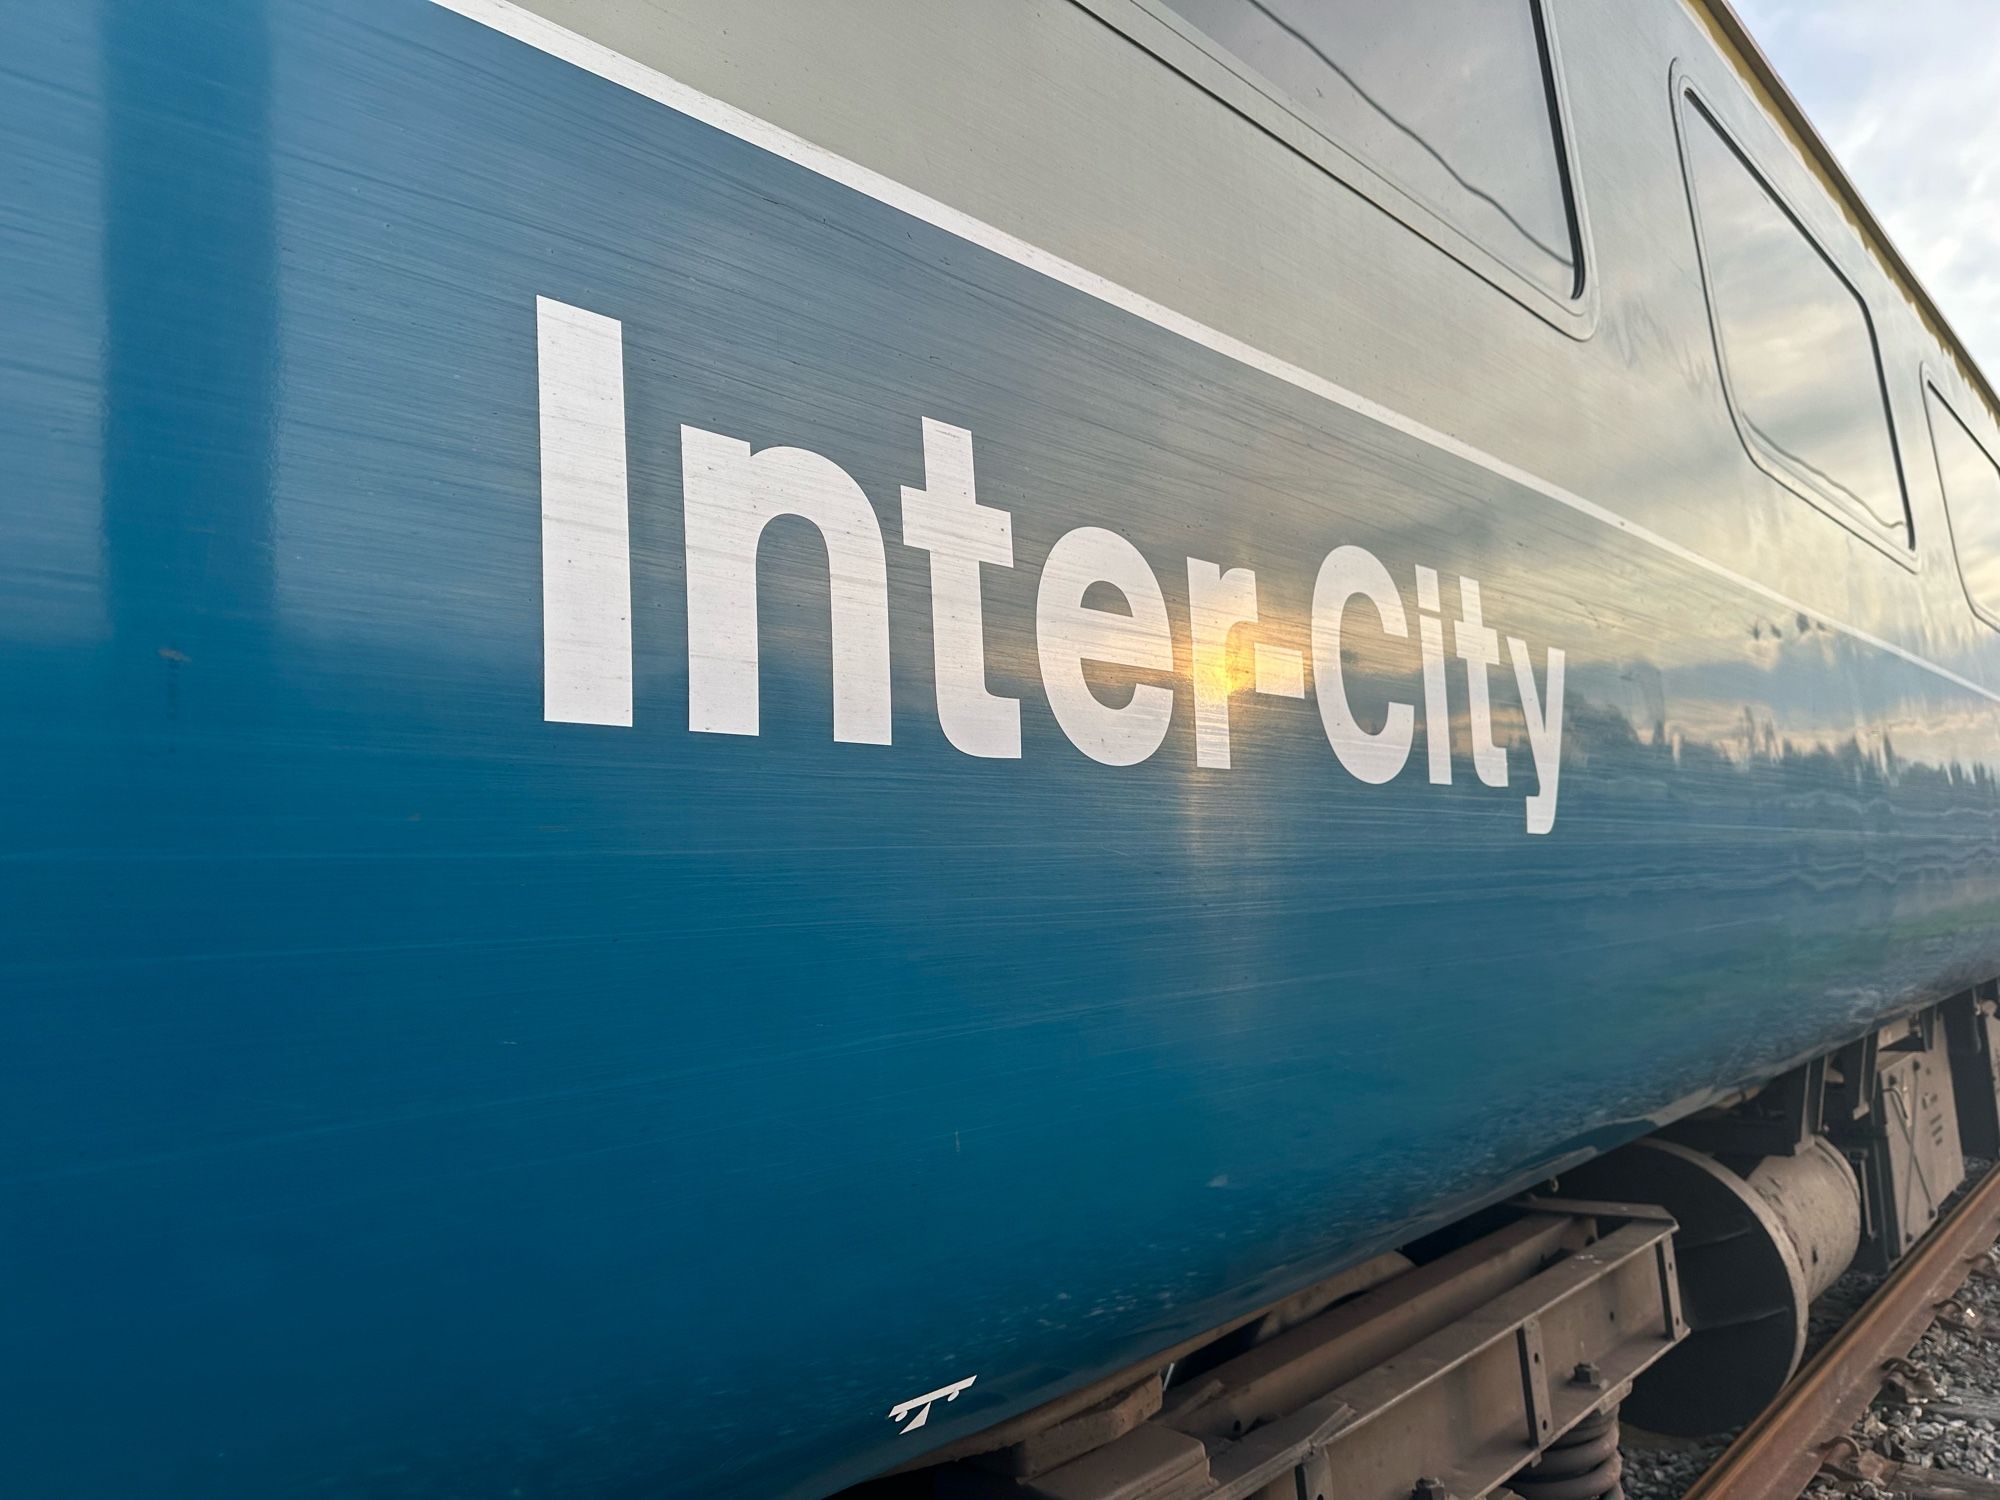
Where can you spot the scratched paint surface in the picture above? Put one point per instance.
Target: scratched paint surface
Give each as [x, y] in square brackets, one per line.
[408, 1095]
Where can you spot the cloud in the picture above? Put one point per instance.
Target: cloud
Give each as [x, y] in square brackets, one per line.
[1908, 96]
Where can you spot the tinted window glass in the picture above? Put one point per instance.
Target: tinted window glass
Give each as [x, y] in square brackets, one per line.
[1972, 499]
[1448, 99]
[1800, 356]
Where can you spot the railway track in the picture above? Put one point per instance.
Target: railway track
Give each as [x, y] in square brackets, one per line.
[1805, 1432]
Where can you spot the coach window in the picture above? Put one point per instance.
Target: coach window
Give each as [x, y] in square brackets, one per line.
[1452, 101]
[1971, 482]
[1799, 360]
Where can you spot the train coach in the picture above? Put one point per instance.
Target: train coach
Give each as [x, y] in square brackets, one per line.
[1042, 748]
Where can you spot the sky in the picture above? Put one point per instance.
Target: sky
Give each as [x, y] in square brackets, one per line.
[1907, 92]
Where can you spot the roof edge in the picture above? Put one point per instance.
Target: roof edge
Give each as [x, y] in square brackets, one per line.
[1741, 49]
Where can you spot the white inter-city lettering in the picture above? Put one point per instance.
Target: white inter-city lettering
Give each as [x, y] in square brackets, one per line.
[1437, 699]
[1069, 633]
[946, 521]
[1217, 603]
[731, 493]
[1349, 573]
[1479, 648]
[586, 546]
[1545, 727]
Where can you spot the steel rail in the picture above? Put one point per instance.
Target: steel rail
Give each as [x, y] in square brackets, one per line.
[1777, 1455]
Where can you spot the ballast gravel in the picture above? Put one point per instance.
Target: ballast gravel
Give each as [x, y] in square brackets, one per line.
[1662, 1468]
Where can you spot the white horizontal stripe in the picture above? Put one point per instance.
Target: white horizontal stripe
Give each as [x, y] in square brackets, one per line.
[545, 35]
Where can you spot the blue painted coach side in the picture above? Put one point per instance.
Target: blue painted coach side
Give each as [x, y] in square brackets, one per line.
[406, 1095]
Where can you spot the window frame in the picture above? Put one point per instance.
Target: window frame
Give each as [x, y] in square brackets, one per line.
[1687, 95]
[1182, 47]
[1935, 398]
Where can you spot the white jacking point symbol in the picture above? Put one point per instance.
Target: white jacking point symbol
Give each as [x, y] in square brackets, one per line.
[921, 1405]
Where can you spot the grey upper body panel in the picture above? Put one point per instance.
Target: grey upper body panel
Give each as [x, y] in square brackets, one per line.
[1050, 122]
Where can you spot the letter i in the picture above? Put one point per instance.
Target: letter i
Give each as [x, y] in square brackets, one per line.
[1437, 703]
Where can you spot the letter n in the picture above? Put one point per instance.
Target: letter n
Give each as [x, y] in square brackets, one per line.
[730, 495]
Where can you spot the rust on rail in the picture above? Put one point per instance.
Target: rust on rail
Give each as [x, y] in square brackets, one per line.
[1777, 1455]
